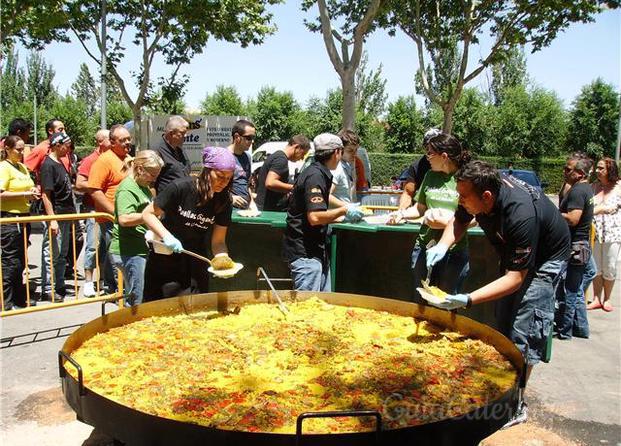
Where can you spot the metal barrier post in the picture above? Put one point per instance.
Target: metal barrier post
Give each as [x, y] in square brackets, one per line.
[26, 266]
[118, 296]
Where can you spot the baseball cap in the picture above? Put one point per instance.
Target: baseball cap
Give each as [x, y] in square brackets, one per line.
[327, 141]
[59, 138]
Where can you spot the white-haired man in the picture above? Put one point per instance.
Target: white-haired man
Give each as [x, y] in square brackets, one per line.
[176, 165]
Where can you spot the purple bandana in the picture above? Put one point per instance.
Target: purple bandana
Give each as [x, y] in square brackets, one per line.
[218, 158]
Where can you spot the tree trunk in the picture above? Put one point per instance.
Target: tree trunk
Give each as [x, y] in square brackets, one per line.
[349, 99]
[138, 128]
[447, 125]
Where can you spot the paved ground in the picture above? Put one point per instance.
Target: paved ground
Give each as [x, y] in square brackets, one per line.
[574, 400]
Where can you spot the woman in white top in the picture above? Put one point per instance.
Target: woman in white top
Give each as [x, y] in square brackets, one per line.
[607, 219]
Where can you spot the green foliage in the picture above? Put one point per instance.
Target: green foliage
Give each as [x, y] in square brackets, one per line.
[168, 97]
[508, 71]
[594, 119]
[474, 122]
[404, 126]
[39, 80]
[224, 101]
[387, 165]
[530, 124]
[370, 89]
[85, 89]
[272, 114]
[74, 114]
[448, 30]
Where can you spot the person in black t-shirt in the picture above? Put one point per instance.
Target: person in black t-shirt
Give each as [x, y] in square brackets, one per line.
[305, 239]
[532, 240]
[170, 149]
[577, 209]
[416, 172]
[273, 182]
[57, 196]
[243, 134]
[191, 209]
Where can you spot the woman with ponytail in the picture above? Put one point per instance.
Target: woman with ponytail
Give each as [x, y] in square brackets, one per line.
[191, 209]
[128, 251]
[437, 200]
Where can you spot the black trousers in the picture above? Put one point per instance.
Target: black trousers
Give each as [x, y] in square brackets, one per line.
[174, 275]
[13, 264]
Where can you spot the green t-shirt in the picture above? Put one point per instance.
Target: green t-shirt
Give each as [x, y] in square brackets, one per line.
[128, 199]
[438, 190]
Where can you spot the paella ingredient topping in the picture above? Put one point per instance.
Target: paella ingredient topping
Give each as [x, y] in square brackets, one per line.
[257, 371]
[222, 262]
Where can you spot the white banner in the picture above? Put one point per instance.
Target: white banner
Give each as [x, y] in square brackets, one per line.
[203, 131]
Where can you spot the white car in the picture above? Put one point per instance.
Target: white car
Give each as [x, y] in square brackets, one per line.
[261, 153]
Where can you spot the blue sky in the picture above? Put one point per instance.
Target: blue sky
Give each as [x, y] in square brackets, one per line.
[295, 60]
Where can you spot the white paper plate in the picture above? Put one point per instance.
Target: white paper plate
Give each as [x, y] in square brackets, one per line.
[248, 213]
[429, 297]
[225, 273]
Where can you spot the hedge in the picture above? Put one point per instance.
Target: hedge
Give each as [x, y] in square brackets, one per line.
[387, 165]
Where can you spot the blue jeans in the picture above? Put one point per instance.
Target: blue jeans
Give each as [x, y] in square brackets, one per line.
[571, 315]
[310, 275]
[526, 316]
[132, 268]
[448, 274]
[89, 245]
[590, 271]
[60, 248]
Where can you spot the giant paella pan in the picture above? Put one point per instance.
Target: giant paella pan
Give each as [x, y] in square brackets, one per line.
[338, 369]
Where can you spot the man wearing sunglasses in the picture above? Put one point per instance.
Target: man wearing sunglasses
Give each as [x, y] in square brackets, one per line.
[243, 134]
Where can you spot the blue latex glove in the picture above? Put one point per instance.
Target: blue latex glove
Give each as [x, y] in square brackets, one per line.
[354, 213]
[435, 254]
[453, 302]
[172, 242]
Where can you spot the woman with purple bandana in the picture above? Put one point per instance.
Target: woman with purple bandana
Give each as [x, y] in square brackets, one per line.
[184, 214]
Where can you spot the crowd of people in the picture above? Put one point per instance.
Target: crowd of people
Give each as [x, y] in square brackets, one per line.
[548, 257]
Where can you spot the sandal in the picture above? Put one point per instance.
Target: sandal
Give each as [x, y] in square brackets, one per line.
[607, 307]
[595, 305]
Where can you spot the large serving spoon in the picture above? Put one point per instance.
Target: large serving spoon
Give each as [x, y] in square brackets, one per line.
[221, 273]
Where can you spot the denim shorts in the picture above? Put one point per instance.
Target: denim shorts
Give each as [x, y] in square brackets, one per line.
[527, 316]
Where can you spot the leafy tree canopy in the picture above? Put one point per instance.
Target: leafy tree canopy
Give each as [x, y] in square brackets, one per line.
[594, 118]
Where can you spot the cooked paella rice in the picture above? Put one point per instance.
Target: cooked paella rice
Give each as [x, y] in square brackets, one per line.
[258, 370]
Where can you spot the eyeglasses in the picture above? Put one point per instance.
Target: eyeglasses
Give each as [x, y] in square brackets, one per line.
[248, 137]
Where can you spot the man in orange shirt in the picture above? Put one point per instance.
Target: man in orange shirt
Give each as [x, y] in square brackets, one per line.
[102, 139]
[105, 176]
[33, 159]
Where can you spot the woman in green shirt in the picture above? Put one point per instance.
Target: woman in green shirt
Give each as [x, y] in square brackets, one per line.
[128, 250]
[16, 191]
[437, 200]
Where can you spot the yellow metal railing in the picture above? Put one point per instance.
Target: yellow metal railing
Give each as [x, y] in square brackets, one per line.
[76, 300]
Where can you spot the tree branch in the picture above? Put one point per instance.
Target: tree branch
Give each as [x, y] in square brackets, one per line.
[91, 55]
[362, 28]
[499, 42]
[326, 32]
[421, 58]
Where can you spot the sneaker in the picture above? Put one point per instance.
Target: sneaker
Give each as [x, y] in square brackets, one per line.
[521, 416]
[89, 289]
